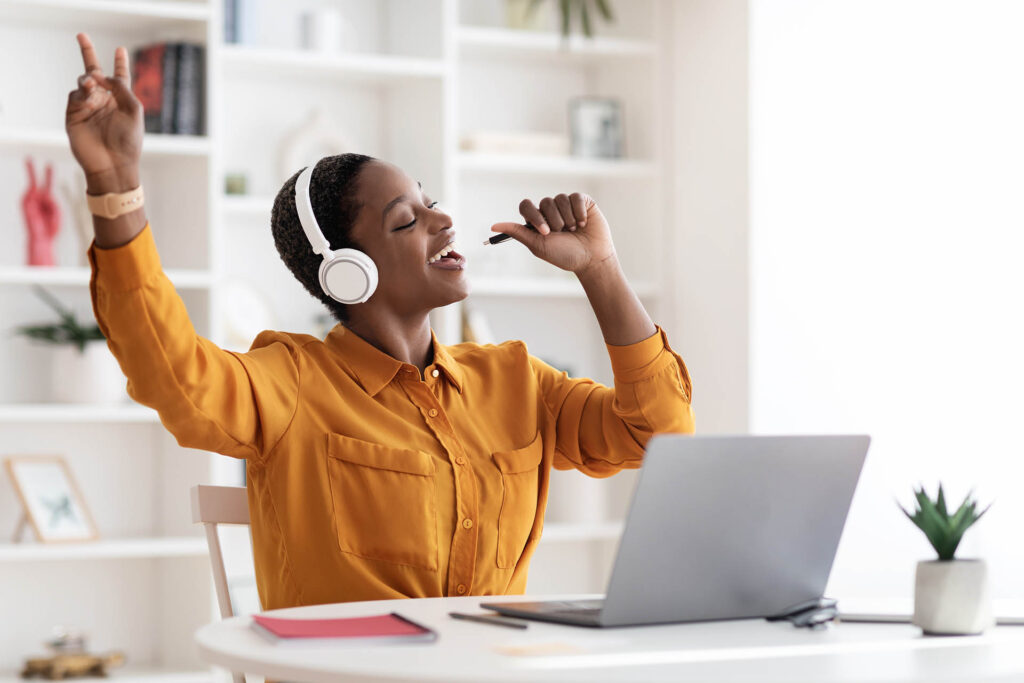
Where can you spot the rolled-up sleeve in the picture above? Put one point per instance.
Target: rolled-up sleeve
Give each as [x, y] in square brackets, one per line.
[208, 398]
[601, 430]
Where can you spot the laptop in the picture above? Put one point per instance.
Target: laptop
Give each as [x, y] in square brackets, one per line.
[722, 527]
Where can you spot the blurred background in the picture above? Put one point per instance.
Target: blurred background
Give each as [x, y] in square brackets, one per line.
[818, 200]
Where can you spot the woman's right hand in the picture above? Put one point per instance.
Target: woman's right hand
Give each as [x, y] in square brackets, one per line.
[104, 124]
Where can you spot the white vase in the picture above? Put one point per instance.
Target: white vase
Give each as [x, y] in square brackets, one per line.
[951, 597]
[92, 376]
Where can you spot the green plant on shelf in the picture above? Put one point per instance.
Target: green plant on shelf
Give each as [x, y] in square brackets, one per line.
[567, 9]
[67, 331]
[943, 530]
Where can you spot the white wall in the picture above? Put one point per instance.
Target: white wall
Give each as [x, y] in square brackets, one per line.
[887, 170]
[708, 218]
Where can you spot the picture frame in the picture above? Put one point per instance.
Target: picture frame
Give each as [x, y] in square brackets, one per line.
[596, 127]
[52, 503]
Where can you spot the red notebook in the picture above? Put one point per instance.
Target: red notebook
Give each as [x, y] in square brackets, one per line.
[383, 628]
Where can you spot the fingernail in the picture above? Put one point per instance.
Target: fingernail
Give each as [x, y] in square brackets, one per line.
[544, 228]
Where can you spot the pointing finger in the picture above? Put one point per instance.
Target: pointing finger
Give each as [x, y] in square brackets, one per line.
[88, 53]
[121, 65]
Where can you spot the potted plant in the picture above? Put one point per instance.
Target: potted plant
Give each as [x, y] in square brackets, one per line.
[522, 14]
[951, 596]
[83, 370]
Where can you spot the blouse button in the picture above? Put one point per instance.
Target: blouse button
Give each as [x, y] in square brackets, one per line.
[461, 589]
[460, 460]
[467, 523]
[432, 412]
[434, 373]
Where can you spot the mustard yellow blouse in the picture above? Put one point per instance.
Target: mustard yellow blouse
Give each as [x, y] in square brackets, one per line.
[365, 480]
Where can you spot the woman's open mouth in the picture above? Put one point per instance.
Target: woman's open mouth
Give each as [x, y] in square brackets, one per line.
[447, 258]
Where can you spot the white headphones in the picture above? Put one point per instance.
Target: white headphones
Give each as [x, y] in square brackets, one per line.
[347, 275]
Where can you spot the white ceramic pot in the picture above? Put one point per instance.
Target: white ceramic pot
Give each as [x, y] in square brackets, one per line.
[951, 597]
[92, 376]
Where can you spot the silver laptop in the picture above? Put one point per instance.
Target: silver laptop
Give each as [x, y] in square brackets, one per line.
[731, 527]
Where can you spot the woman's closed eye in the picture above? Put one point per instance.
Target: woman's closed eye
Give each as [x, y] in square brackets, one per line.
[413, 222]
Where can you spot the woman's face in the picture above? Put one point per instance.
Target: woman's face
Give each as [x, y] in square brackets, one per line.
[402, 230]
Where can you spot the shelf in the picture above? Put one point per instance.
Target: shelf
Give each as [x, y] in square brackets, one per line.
[32, 139]
[48, 413]
[364, 68]
[136, 674]
[127, 15]
[491, 43]
[561, 532]
[114, 549]
[79, 277]
[555, 165]
[544, 287]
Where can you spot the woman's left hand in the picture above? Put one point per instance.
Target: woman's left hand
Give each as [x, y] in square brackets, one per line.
[572, 233]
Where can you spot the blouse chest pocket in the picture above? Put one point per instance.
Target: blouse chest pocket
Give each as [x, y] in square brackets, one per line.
[384, 501]
[519, 481]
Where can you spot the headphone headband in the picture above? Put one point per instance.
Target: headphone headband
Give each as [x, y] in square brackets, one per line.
[304, 207]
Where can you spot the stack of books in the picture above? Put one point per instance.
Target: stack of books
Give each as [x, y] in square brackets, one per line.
[170, 79]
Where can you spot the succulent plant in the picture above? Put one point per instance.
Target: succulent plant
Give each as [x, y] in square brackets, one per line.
[943, 530]
[67, 331]
[567, 8]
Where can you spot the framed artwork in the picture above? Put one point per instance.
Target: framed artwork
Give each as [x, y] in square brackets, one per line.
[52, 502]
[595, 125]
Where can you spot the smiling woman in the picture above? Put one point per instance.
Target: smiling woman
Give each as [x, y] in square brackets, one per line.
[381, 463]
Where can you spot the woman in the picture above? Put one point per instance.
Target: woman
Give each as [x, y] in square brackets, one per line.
[381, 464]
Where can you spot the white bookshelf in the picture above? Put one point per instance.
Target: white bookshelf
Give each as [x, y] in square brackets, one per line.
[419, 76]
[555, 166]
[500, 43]
[27, 138]
[130, 14]
[118, 549]
[54, 413]
[291, 63]
[70, 276]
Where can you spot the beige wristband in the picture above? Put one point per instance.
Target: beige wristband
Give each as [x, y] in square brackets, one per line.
[113, 204]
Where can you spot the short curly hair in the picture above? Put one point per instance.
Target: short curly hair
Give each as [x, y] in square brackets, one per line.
[332, 191]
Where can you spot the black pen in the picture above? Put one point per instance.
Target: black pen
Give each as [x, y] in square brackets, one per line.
[501, 237]
[494, 619]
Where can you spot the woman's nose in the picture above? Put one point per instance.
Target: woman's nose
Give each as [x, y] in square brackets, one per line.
[440, 221]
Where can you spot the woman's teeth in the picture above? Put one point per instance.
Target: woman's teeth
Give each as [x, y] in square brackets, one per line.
[441, 254]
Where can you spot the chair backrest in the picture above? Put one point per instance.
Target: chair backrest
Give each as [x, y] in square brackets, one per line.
[213, 505]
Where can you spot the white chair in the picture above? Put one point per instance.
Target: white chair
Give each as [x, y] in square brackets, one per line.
[213, 505]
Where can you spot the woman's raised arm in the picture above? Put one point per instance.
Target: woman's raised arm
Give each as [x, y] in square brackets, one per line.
[105, 127]
[238, 404]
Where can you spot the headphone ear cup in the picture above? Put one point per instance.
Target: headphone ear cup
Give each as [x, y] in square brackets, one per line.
[350, 277]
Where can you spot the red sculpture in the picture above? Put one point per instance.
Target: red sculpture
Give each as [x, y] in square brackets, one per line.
[42, 216]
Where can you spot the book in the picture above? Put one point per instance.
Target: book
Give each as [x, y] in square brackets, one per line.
[358, 631]
[189, 86]
[154, 82]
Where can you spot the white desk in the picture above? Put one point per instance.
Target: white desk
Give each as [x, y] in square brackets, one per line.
[752, 650]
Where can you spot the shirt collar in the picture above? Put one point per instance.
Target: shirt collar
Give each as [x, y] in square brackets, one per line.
[444, 360]
[375, 369]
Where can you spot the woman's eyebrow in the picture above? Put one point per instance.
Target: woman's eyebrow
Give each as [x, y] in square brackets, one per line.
[400, 198]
